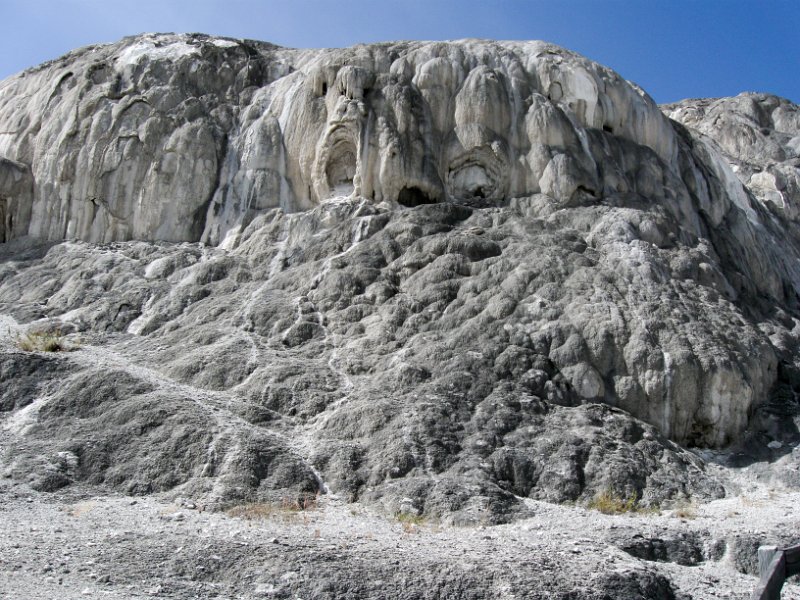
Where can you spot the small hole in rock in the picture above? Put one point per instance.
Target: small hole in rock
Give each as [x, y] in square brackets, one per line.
[608, 128]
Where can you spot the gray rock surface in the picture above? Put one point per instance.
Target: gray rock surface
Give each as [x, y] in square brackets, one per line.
[758, 135]
[351, 361]
[181, 137]
[445, 280]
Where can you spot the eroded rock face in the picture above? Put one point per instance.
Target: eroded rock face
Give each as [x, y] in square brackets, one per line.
[759, 135]
[178, 137]
[441, 277]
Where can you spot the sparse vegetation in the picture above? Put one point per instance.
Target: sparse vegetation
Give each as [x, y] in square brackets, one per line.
[751, 502]
[286, 509]
[410, 518]
[302, 503]
[410, 528]
[409, 521]
[253, 511]
[610, 503]
[42, 341]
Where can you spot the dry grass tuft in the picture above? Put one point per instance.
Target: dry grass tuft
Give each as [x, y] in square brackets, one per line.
[254, 511]
[609, 503]
[42, 341]
[411, 523]
[302, 503]
[79, 509]
[751, 502]
[287, 509]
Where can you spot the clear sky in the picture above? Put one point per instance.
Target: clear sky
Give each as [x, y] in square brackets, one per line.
[674, 49]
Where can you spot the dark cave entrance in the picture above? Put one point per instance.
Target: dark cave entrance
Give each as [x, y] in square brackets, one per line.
[413, 196]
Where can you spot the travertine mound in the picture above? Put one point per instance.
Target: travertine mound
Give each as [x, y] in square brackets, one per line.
[185, 137]
[437, 276]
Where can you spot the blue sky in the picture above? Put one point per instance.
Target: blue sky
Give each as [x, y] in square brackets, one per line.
[672, 48]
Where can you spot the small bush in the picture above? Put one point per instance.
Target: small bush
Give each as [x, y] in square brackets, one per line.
[42, 341]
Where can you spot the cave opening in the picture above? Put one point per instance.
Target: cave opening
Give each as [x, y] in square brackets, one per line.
[413, 196]
[471, 182]
[341, 170]
[608, 129]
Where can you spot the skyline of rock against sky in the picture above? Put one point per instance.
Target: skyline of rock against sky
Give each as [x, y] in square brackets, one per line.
[675, 50]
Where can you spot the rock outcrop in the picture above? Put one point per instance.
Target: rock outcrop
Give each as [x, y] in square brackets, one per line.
[759, 136]
[437, 276]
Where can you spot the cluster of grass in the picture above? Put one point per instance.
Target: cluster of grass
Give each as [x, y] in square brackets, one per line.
[42, 341]
[286, 509]
[253, 511]
[609, 503]
[410, 518]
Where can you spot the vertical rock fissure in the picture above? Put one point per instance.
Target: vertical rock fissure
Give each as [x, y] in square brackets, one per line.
[200, 216]
[5, 222]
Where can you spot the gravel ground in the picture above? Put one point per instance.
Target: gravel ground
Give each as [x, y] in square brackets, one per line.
[76, 544]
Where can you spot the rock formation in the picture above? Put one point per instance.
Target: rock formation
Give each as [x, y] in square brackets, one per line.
[757, 134]
[184, 138]
[437, 276]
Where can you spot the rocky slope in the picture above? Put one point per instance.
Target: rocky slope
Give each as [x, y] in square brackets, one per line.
[436, 278]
